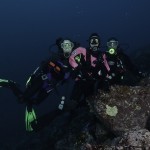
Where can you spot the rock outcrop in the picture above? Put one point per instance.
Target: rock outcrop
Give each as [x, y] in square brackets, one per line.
[125, 108]
[123, 112]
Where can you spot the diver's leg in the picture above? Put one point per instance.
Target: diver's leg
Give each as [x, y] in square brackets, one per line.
[105, 85]
[77, 99]
[32, 122]
[16, 91]
[46, 119]
[76, 96]
[78, 91]
[90, 87]
[33, 88]
[39, 97]
[35, 92]
[13, 86]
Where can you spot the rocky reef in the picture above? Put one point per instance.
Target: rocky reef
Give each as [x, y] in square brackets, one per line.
[117, 119]
[124, 108]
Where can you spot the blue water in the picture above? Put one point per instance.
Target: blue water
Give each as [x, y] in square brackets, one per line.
[28, 27]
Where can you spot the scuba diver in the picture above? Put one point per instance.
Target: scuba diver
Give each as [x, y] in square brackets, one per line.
[92, 73]
[99, 65]
[90, 67]
[45, 78]
[119, 63]
[47, 118]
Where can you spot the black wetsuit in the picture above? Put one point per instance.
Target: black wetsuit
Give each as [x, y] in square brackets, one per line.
[91, 75]
[100, 71]
[119, 64]
[44, 79]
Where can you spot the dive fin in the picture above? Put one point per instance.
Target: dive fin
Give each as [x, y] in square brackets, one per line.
[30, 116]
[4, 83]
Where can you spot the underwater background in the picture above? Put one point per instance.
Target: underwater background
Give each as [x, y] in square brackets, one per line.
[29, 27]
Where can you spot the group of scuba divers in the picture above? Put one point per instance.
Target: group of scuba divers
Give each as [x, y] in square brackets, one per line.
[90, 68]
